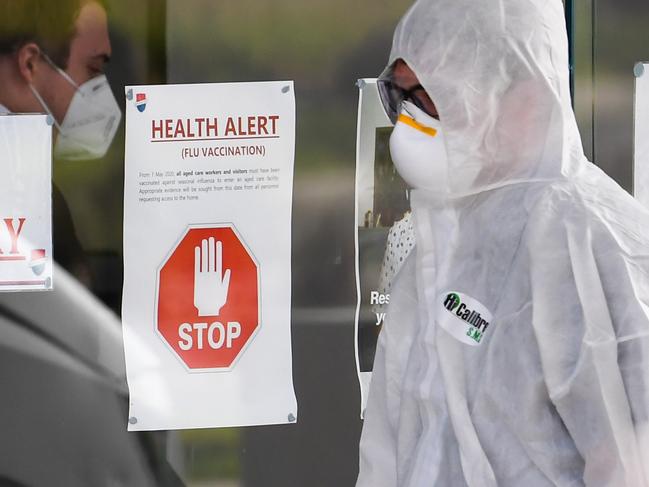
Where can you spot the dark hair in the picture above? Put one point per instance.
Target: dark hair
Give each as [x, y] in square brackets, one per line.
[48, 23]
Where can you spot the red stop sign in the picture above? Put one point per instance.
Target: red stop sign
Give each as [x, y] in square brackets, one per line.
[208, 297]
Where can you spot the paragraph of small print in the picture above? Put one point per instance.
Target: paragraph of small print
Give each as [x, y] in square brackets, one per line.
[191, 185]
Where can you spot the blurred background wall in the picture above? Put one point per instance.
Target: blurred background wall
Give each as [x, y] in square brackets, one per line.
[609, 37]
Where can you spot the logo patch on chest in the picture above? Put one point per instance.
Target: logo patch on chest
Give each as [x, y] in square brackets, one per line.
[463, 317]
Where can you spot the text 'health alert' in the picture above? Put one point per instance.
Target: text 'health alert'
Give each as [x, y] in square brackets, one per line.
[207, 300]
[216, 129]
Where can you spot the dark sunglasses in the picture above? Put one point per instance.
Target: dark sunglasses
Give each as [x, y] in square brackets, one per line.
[392, 96]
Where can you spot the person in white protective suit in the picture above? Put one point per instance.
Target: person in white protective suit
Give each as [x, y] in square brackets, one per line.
[515, 351]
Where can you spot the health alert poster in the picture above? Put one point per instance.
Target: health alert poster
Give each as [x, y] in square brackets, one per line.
[207, 255]
[25, 203]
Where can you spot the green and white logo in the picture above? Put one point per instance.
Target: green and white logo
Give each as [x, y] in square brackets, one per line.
[464, 317]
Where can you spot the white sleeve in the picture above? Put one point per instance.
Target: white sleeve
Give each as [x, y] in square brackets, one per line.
[591, 322]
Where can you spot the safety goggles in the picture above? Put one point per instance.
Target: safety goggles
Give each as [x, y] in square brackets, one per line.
[392, 96]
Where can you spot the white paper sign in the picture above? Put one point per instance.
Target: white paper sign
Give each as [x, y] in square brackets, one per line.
[207, 251]
[381, 202]
[641, 137]
[25, 203]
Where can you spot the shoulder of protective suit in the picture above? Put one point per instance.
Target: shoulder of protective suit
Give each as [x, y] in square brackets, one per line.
[593, 204]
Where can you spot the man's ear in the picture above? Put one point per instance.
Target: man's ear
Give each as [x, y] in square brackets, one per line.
[29, 61]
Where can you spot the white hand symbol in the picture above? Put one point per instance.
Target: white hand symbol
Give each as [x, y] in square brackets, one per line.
[210, 286]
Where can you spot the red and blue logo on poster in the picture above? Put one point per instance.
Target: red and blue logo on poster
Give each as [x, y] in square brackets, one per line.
[140, 101]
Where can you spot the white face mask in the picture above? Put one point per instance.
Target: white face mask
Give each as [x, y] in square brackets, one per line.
[91, 121]
[418, 150]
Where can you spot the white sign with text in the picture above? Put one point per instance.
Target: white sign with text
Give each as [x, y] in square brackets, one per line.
[641, 134]
[381, 204]
[25, 203]
[207, 255]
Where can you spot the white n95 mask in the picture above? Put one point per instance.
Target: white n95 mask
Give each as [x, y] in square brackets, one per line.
[418, 150]
[91, 121]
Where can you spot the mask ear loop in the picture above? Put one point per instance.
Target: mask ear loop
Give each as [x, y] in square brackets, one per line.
[46, 108]
[65, 75]
[40, 99]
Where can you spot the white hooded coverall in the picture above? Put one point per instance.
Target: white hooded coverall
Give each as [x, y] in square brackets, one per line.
[556, 392]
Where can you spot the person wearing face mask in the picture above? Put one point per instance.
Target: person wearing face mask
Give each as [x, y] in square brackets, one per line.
[52, 58]
[415, 141]
[515, 350]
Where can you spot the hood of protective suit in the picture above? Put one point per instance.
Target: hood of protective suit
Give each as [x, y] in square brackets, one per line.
[497, 71]
[515, 348]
